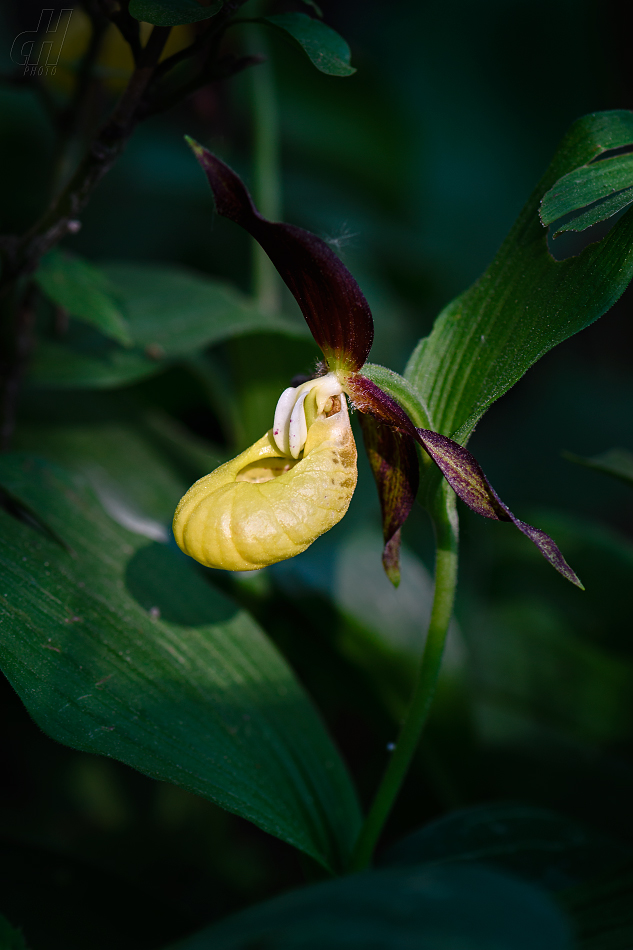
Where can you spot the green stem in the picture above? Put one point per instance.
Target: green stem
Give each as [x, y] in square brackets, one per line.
[266, 164]
[444, 518]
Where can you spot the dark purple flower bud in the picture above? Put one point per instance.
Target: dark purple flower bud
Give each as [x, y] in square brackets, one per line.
[394, 462]
[460, 469]
[330, 299]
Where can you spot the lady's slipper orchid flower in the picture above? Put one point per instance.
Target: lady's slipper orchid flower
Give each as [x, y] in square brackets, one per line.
[276, 498]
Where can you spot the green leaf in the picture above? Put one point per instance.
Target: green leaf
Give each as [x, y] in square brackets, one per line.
[600, 211]
[88, 360]
[538, 845]
[322, 45]
[173, 12]
[121, 647]
[10, 937]
[171, 312]
[84, 291]
[401, 390]
[616, 462]
[526, 302]
[398, 909]
[126, 472]
[317, 9]
[585, 185]
[174, 311]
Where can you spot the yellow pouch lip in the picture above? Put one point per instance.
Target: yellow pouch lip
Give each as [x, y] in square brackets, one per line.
[216, 497]
[224, 475]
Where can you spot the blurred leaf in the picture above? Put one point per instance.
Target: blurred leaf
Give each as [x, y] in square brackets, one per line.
[133, 483]
[252, 372]
[75, 433]
[189, 453]
[317, 9]
[87, 359]
[10, 937]
[585, 185]
[530, 668]
[138, 462]
[84, 291]
[398, 909]
[171, 312]
[388, 630]
[616, 462]
[173, 12]
[603, 913]
[546, 848]
[526, 302]
[324, 47]
[123, 649]
[599, 620]
[174, 311]
[600, 211]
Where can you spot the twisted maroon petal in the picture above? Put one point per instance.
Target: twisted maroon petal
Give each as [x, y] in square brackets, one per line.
[394, 462]
[461, 470]
[330, 299]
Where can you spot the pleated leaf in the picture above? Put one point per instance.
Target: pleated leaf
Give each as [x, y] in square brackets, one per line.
[119, 646]
[526, 302]
[585, 185]
[601, 210]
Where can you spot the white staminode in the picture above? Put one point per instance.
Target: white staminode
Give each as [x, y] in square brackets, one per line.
[290, 428]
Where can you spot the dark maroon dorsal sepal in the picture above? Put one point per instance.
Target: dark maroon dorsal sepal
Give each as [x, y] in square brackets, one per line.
[330, 299]
[461, 470]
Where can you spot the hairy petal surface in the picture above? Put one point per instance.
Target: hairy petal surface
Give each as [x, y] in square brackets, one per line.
[263, 506]
[330, 299]
[459, 467]
[394, 462]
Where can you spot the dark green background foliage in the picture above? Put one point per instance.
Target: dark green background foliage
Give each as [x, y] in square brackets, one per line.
[415, 168]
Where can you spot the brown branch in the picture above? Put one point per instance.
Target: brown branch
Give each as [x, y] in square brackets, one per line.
[20, 257]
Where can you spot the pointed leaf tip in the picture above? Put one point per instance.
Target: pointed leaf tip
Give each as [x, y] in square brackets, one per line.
[331, 301]
[191, 142]
[391, 558]
[322, 45]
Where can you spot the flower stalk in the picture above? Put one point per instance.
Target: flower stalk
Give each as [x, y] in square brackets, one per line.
[444, 516]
